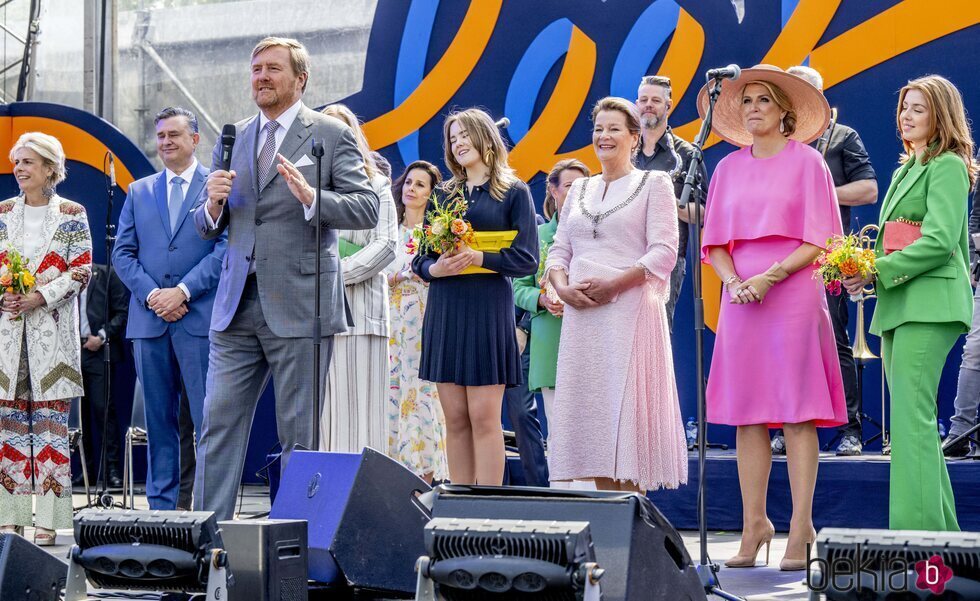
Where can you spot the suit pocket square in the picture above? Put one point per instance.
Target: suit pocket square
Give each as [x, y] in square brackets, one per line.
[303, 162]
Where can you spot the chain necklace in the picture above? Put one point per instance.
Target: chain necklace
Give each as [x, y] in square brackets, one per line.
[596, 218]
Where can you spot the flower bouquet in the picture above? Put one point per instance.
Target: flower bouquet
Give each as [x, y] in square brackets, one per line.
[15, 277]
[446, 231]
[844, 257]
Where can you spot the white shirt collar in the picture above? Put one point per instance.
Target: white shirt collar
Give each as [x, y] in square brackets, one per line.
[187, 175]
[284, 120]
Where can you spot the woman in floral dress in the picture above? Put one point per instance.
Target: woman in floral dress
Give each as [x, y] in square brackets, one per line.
[416, 426]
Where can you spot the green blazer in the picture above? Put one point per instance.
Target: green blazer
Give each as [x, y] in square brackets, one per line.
[928, 281]
[545, 327]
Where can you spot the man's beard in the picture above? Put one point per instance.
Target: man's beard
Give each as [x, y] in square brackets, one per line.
[650, 121]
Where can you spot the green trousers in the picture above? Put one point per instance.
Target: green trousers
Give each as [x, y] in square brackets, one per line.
[920, 495]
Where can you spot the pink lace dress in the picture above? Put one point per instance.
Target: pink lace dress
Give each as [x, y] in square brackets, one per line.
[616, 409]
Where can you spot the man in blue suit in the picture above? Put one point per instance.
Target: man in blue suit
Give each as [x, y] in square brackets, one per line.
[173, 275]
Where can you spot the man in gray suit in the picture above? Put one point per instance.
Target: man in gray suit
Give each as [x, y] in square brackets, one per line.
[263, 314]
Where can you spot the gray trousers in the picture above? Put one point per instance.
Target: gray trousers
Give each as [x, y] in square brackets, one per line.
[968, 387]
[242, 359]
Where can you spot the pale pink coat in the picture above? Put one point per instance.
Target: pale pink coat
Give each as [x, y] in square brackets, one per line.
[616, 409]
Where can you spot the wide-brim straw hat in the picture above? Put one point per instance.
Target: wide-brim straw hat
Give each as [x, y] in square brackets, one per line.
[811, 108]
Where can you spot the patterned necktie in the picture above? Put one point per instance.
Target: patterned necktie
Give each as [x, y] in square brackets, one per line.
[176, 200]
[268, 152]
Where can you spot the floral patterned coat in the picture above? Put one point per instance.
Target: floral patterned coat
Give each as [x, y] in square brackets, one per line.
[62, 270]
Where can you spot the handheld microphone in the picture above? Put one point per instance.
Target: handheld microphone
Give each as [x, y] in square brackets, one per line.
[227, 142]
[504, 123]
[729, 72]
[228, 133]
[112, 171]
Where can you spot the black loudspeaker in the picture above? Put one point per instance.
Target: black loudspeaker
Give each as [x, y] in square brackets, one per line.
[27, 572]
[366, 523]
[895, 565]
[642, 554]
[268, 559]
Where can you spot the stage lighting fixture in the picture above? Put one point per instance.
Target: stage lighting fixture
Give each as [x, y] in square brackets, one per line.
[867, 565]
[164, 551]
[517, 560]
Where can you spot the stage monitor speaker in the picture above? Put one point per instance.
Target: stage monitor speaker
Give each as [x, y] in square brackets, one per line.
[642, 554]
[894, 565]
[268, 558]
[28, 572]
[366, 523]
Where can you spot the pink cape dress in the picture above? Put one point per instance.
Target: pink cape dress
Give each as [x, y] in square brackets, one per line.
[617, 413]
[774, 362]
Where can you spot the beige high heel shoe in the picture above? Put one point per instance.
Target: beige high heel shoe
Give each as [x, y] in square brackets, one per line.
[12, 530]
[788, 564]
[748, 561]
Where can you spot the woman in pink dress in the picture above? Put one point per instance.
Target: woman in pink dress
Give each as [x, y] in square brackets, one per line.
[771, 207]
[616, 418]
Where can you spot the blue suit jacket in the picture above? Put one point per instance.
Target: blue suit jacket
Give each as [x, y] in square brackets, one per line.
[148, 255]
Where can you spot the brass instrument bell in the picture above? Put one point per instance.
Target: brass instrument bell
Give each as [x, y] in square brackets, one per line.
[860, 349]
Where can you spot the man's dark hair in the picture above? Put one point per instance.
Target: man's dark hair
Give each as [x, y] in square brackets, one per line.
[657, 80]
[177, 111]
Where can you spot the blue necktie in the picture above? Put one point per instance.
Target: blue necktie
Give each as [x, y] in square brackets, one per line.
[176, 201]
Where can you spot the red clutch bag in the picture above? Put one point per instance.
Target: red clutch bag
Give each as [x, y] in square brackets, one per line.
[900, 233]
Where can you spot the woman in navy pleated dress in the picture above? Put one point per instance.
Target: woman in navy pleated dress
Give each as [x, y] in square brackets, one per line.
[468, 344]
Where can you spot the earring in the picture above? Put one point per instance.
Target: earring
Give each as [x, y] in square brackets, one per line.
[782, 125]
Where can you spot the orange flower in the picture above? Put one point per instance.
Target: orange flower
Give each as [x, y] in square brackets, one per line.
[6, 279]
[459, 227]
[849, 267]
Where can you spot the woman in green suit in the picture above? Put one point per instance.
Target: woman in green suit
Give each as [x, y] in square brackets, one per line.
[925, 301]
[545, 309]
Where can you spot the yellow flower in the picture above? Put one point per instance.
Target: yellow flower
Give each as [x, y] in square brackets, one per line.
[27, 279]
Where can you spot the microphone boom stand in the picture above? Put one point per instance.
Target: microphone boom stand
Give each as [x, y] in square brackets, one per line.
[103, 498]
[707, 571]
[317, 151]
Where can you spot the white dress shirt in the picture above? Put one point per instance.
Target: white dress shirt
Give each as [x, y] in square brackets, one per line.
[187, 175]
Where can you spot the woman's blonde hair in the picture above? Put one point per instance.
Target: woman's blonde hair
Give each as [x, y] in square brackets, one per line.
[50, 151]
[783, 101]
[340, 111]
[628, 109]
[486, 140]
[550, 204]
[948, 125]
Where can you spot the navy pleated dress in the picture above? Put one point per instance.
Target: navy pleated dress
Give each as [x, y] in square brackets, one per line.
[468, 328]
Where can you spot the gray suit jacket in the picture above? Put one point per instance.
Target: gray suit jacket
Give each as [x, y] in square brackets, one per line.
[265, 218]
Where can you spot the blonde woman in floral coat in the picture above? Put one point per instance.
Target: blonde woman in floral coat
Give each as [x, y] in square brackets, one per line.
[39, 340]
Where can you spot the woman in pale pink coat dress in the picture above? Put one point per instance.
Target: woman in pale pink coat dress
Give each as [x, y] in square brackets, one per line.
[617, 419]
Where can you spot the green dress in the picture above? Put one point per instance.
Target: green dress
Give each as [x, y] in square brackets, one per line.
[545, 327]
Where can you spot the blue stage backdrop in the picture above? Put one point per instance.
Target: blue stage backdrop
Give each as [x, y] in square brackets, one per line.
[544, 64]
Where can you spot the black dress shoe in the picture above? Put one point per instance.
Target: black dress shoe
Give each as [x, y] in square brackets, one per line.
[960, 449]
[115, 480]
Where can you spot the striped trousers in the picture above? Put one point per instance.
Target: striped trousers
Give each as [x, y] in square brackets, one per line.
[356, 396]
